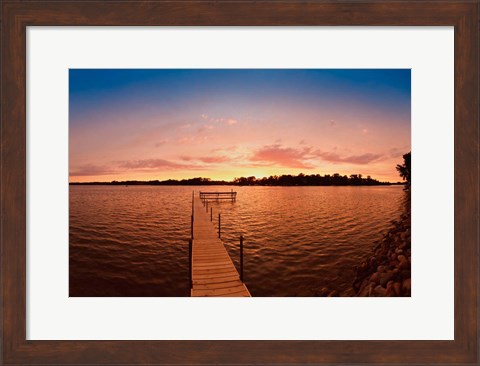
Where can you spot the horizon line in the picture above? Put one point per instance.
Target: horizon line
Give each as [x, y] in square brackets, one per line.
[206, 179]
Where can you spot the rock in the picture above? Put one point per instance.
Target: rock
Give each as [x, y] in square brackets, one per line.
[387, 270]
[397, 288]
[406, 274]
[364, 291]
[385, 277]
[390, 290]
[379, 290]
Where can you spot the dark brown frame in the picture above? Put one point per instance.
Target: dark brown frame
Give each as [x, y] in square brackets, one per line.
[17, 15]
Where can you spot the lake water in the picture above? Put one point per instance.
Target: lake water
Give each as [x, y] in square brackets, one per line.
[133, 241]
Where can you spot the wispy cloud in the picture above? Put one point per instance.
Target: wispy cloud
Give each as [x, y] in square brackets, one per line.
[283, 156]
[305, 157]
[91, 170]
[161, 142]
[219, 120]
[397, 152]
[206, 127]
[352, 159]
[225, 149]
[149, 164]
[207, 159]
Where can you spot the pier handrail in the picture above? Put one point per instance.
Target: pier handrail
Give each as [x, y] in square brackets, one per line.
[212, 271]
[205, 203]
[217, 195]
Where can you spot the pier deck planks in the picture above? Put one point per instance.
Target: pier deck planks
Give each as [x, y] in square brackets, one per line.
[213, 272]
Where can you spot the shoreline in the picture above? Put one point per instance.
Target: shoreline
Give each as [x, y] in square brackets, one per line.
[387, 272]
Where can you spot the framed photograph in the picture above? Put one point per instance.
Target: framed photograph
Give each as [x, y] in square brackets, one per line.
[240, 182]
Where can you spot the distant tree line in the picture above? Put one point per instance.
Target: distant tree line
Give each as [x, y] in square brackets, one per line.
[310, 180]
[274, 180]
[168, 182]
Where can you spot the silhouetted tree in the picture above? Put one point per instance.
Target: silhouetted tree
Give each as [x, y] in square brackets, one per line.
[404, 169]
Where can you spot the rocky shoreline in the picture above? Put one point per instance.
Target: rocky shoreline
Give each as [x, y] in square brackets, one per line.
[388, 271]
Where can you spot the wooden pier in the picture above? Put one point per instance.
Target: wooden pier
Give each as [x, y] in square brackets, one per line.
[212, 270]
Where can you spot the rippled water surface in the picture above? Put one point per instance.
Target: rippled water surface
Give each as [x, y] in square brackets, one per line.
[133, 241]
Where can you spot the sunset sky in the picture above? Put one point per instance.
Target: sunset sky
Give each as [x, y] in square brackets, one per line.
[221, 124]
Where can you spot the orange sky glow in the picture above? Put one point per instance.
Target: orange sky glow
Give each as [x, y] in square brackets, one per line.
[180, 124]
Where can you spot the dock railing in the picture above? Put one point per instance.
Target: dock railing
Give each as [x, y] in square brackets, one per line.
[205, 197]
[217, 196]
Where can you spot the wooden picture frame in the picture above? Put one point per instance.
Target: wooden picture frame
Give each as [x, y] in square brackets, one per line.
[17, 15]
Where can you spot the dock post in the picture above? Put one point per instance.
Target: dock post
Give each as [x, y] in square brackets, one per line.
[206, 207]
[218, 225]
[241, 258]
[211, 214]
[190, 264]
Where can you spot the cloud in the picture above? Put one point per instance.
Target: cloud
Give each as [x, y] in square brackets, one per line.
[206, 127]
[226, 121]
[213, 159]
[224, 149]
[90, 170]
[283, 156]
[397, 152]
[302, 157]
[185, 140]
[148, 164]
[353, 159]
[207, 159]
[123, 166]
[155, 164]
[161, 142]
